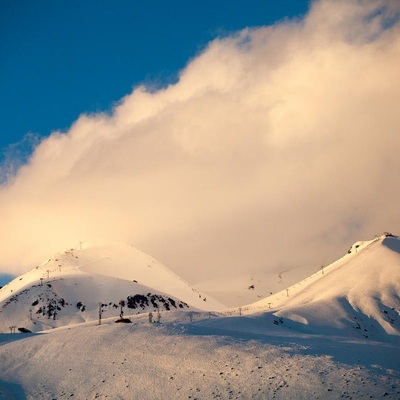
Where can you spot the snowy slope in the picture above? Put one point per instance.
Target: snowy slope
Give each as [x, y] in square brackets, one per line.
[68, 288]
[358, 295]
[181, 360]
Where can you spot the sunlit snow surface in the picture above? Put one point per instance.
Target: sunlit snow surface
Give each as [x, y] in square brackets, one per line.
[333, 335]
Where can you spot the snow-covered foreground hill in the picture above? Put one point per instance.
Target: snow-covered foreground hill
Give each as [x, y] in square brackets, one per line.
[179, 359]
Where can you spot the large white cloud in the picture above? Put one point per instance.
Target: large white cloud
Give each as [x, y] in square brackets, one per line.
[278, 146]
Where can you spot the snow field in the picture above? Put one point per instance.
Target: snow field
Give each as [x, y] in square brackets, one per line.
[194, 361]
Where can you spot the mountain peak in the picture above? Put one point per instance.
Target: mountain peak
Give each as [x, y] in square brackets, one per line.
[69, 287]
[358, 295]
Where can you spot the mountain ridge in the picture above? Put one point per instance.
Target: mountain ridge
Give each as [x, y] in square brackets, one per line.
[357, 295]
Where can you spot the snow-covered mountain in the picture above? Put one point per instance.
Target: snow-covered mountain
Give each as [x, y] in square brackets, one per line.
[67, 289]
[333, 335]
[358, 295]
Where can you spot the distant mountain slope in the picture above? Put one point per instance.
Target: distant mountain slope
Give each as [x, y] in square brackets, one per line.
[358, 295]
[68, 288]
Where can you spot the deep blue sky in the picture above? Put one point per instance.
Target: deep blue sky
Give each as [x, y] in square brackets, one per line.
[61, 58]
